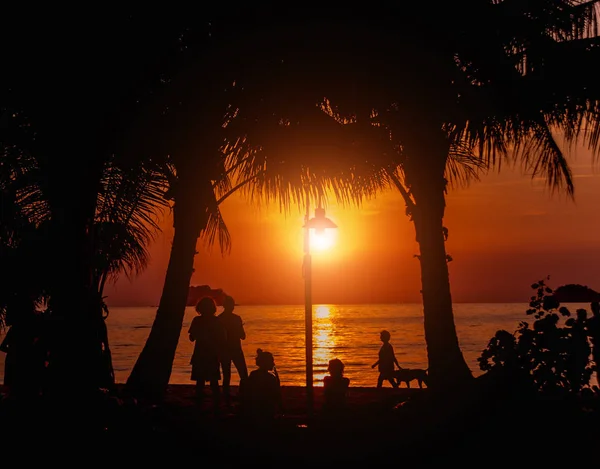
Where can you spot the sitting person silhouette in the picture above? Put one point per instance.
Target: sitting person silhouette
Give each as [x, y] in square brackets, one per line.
[260, 393]
[335, 388]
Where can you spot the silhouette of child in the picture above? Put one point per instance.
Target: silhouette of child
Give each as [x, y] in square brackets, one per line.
[260, 393]
[208, 334]
[335, 387]
[386, 362]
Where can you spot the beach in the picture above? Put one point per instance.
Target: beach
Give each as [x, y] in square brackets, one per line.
[391, 426]
[381, 426]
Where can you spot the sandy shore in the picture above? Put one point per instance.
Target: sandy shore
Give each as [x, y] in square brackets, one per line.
[360, 399]
[385, 426]
[388, 426]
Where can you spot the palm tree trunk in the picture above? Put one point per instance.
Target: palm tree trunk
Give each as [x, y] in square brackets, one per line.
[447, 366]
[150, 375]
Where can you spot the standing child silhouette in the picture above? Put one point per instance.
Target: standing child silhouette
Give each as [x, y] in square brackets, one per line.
[386, 362]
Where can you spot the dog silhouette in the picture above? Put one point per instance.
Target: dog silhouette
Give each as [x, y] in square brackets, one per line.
[406, 375]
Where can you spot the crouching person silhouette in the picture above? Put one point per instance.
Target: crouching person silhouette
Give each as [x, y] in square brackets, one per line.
[335, 389]
[260, 392]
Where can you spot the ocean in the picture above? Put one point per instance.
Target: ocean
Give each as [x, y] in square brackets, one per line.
[347, 332]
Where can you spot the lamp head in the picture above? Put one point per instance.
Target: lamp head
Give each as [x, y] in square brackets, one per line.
[320, 222]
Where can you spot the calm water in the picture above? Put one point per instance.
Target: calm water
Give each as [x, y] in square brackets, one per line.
[347, 332]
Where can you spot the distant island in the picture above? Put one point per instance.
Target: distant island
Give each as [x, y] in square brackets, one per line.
[574, 293]
[196, 292]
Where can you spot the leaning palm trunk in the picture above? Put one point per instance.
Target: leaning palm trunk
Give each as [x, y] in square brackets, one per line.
[150, 375]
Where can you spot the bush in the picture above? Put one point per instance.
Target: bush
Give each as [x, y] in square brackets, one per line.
[553, 353]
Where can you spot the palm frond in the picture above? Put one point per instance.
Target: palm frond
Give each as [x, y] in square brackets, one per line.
[514, 115]
[541, 154]
[463, 165]
[133, 196]
[216, 229]
[21, 176]
[316, 155]
[569, 92]
[130, 204]
[120, 250]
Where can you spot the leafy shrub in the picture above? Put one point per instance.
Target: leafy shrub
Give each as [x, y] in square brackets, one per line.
[552, 353]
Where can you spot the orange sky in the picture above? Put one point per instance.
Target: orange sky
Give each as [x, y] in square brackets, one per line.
[505, 232]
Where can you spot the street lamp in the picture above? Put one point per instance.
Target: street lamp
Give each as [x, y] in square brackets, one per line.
[319, 223]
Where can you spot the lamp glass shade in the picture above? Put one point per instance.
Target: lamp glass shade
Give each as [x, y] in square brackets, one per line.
[320, 222]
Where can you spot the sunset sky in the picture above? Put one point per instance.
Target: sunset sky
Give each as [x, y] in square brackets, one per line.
[505, 232]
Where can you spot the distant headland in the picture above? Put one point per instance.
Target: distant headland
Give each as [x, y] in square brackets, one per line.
[574, 293]
[196, 292]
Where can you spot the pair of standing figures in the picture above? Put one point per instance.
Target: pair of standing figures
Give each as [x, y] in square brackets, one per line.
[217, 344]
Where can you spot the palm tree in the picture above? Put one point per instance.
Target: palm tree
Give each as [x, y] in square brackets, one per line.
[129, 203]
[195, 197]
[504, 108]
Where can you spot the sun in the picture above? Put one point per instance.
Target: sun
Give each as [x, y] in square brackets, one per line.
[322, 240]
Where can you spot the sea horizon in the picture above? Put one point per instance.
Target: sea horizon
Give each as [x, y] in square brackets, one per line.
[335, 303]
[348, 332]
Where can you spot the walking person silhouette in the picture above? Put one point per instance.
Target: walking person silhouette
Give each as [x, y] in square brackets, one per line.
[386, 362]
[233, 352]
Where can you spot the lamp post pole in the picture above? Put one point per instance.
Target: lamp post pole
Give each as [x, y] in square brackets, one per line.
[320, 223]
[308, 326]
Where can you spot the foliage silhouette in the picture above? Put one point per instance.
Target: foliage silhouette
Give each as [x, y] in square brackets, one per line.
[552, 353]
[67, 125]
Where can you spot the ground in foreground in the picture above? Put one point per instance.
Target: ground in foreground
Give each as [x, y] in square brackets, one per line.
[385, 426]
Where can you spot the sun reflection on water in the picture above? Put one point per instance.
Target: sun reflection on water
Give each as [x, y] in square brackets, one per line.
[325, 340]
[322, 311]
